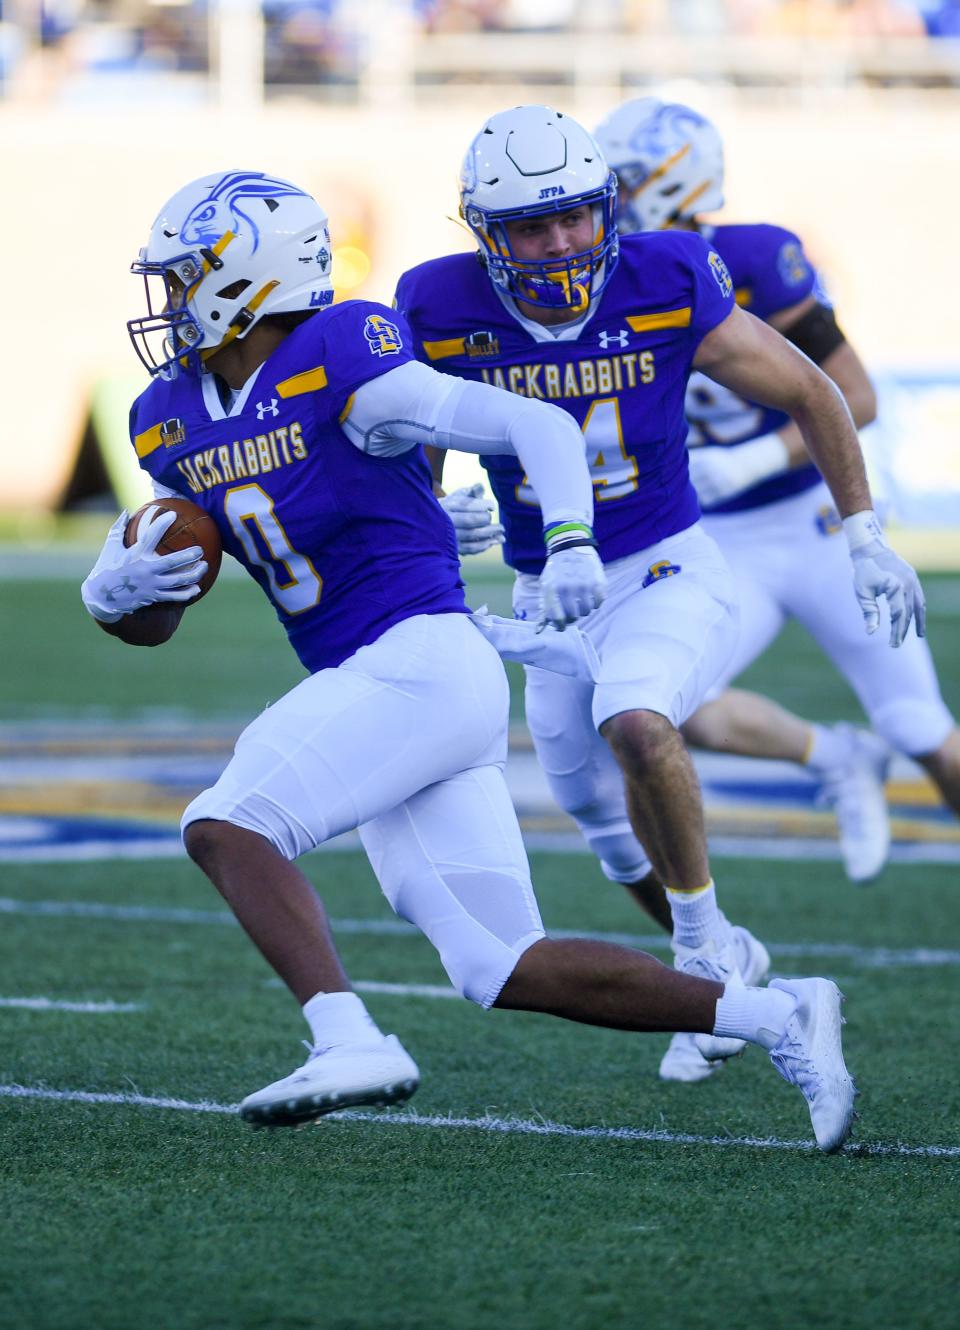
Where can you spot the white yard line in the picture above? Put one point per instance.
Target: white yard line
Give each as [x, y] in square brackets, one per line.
[489, 1123]
[405, 990]
[56, 1004]
[870, 957]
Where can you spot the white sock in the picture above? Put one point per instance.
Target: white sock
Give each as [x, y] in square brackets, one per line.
[340, 1018]
[758, 1015]
[829, 747]
[696, 917]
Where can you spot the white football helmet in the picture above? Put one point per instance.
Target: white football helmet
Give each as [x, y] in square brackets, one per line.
[529, 162]
[668, 159]
[227, 250]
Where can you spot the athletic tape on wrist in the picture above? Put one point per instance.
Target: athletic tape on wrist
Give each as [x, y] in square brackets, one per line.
[567, 536]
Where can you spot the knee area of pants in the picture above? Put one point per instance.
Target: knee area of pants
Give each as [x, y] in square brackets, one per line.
[203, 839]
[915, 728]
[638, 735]
[475, 985]
[480, 975]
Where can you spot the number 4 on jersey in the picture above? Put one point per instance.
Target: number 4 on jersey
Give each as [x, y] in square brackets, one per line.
[612, 469]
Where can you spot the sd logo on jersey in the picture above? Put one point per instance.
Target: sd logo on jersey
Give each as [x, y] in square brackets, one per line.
[792, 264]
[383, 337]
[828, 521]
[721, 272]
[658, 571]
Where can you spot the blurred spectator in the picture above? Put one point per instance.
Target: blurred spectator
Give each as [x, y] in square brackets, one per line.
[461, 15]
[309, 42]
[941, 18]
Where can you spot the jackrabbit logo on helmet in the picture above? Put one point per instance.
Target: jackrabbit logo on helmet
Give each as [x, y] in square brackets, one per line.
[226, 206]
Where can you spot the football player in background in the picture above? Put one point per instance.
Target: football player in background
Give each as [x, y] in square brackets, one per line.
[296, 425]
[767, 506]
[555, 306]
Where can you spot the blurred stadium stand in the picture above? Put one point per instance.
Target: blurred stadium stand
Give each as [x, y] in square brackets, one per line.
[342, 50]
[841, 116]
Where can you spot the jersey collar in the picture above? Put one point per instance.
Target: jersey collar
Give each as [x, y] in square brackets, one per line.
[560, 332]
[211, 396]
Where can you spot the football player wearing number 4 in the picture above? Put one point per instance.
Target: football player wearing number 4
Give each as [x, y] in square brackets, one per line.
[766, 505]
[764, 501]
[553, 307]
[296, 425]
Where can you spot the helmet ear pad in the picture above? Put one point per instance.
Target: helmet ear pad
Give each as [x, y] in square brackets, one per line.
[529, 162]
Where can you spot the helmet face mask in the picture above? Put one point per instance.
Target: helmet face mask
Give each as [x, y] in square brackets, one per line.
[532, 162]
[669, 163]
[225, 252]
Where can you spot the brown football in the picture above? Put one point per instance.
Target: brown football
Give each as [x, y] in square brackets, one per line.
[155, 624]
[192, 526]
[150, 626]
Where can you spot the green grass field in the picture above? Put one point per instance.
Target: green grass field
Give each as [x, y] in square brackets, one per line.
[542, 1176]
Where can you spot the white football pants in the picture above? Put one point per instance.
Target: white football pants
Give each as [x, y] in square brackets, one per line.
[407, 740]
[664, 634]
[790, 561]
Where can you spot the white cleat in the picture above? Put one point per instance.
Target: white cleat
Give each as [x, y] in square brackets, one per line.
[855, 792]
[684, 1059]
[810, 1056]
[344, 1076]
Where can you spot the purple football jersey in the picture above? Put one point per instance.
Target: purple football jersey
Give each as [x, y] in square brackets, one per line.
[770, 272]
[621, 374]
[345, 544]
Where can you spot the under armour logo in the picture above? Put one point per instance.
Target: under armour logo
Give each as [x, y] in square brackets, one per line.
[621, 338]
[124, 584]
[271, 409]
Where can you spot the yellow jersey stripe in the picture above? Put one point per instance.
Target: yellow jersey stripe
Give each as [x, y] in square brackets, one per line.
[664, 318]
[310, 381]
[148, 441]
[347, 409]
[453, 346]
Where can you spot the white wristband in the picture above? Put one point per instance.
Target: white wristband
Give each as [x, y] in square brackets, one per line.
[862, 528]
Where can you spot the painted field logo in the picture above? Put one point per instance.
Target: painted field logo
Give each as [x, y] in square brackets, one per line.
[383, 337]
[173, 432]
[658, 571]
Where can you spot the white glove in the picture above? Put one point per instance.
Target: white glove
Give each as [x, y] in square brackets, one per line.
[125, 578]
[878, 571]
[472, 518]
[573, 583]
[718, 473]
[570, 653]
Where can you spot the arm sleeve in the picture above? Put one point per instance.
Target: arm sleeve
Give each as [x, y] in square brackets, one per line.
[415, 404]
